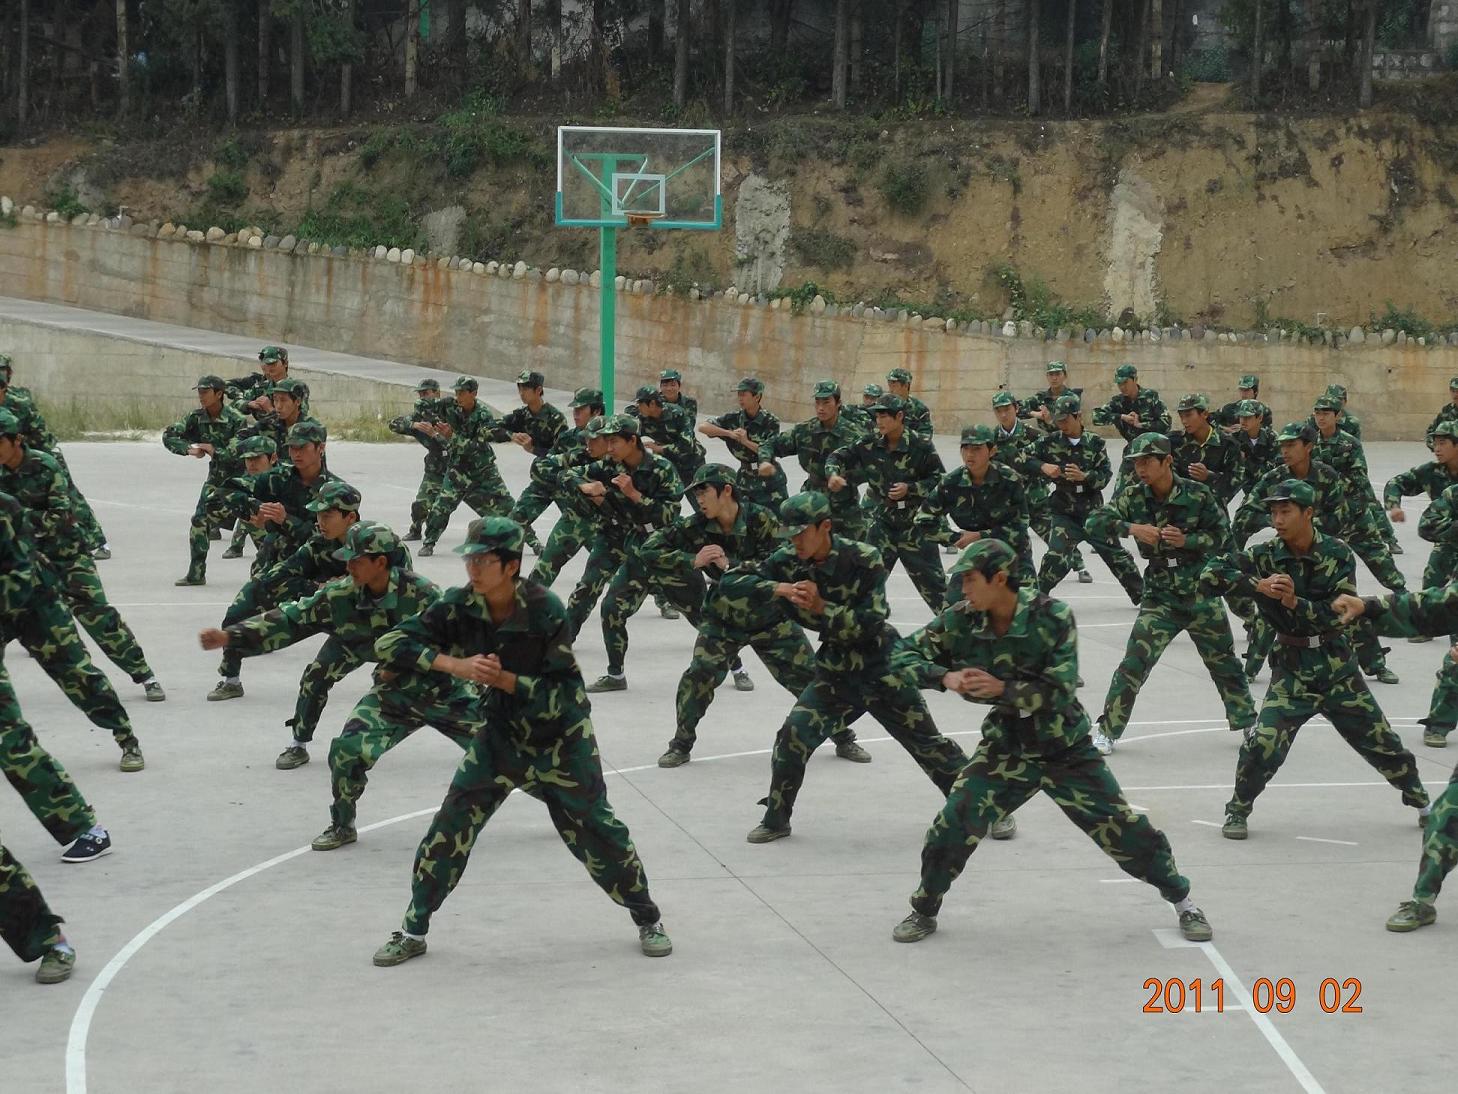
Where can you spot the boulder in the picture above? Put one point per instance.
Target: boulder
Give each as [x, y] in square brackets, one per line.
[407, 256]
[392, 255]
[519, 270]
[215, 233]
[288, 243]
[572, 277]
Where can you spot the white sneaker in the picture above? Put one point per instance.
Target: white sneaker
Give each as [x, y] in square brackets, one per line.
[1101, 741]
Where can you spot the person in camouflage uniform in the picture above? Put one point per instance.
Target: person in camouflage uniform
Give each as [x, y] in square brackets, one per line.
[1200, 452]
[1433, 478]
[742, 432]
[1178, 524]
[27, 924]
[1449, 412]
[574, 527]
[1077, 464]
[33, 613]
[499, 651]
[380, 590]
[1343, 453]
[1017, 650]
[1347, 422]
[1439, 526]
[982, 499]
[1017, 444]
[205, 434]
[629, 495]
[1431, 612]
[670, 386]
[1255, 444]
[421, 424]
[695, 551]
[40, 486]
[812, 441]
[667, 430]
[1227, 418]
[837, 587]
[250, 396]
[1039, 407]
[1293, 580]
[900, 469]
[1134, 410]
[861, 414]
[472, 477]
[1334, 518]
[536, 426]
[918, 415]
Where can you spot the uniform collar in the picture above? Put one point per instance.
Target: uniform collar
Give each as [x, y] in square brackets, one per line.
[1022, 619]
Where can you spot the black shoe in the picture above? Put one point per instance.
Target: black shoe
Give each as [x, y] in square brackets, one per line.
[87, 848]
[412, 535]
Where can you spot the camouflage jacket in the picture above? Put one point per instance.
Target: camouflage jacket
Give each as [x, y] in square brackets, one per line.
[1343, 454]
[1323, 572]
[424, 410]
[543, 427]
[244, 389]
[534, 643]
[1229, 415]
[624, 521]
[44, 493]
[469, 452]
[1029, 407]
[1073, 499]
[997, 507]
[240, 498]
[673, 430]
[33, 429]
[913, 461]
[688, 404]
[1037, 661]
[352, 615]
[1153, 416]
[1017, 450]
[1257, 455]
[918, 419]
[198, 428]
[854, 633]
[760, 428]
[1430, 478]
[1449, 413]
[18, 577]
[1218, 455]
[312, 564]
[1173, 573]
[1332, 510]
[1432, 612]
[1439, 522]
[811, 442]
[271, 425]
[750, 539]
[549, 472]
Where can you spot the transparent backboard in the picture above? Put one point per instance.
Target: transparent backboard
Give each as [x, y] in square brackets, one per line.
[609, 177]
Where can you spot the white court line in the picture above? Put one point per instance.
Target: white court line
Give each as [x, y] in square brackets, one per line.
[1207, 824]
[1170, 939]
[1318, 839]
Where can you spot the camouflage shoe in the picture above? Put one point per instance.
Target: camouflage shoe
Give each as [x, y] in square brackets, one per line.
[915, 927]
[225, 690]
[214, 535]
[1085, 578]
[235, 550]
[668, 611]
[102, 553]
[1395, 548]
[764, 833]
[131, 758]
[607, 682]
[654, 941]
[1195, 927]
[951, 549]
[153, 691]
[400, 949]
[1234, 827]
[1436, 736]
[1385, 675]
[742, 682]
[1003, 828]
[1410, 915]
[674, 757]
[852, 751]
[292, 757]
[191, 579]
[333, 838]
[56, 966]
[413, 535]
[426, 550]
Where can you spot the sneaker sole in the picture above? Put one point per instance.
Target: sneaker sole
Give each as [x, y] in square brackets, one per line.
[656, 953]
[918, 937]
[223, 698]
[1197, 936]
[1435, 742]
[769, 837]
[332, 846]
[391, 962]
[162, 698]
[1234, 835]
[1406, 928]
[680, 763]
[132, 769]
[854, 759]
[290, 766]
[88, 858]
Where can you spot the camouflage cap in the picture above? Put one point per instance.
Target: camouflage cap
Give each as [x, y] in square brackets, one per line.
[826, 389]
[258, 445]
[487, 534]
[875, 391]
[1447, 429]
[1250, 408]
[1056, 366]
[209, 383]
[9, 424]
[367, 538]
[613, 425]
[1452, 383]
[899, 376]
[5, 365]
[801, 511]
[671, 374]
[888, 404]
[1339, 390]
[1249, 382]
[712, 474]
[1004, 398]
[587, 396]
[305, 433]
[648, 394]
[428, 385]
[1125, 372]
[465, 383]
[987, 556]
[751, 384]
[1148, 444]
[1293, 490]
[273, 353]
[1195, 400]
[978, 434]
[290, 386]
[1066, 406]
[1329, 402]
[529, 378]
[1296, 431]
[335, 494]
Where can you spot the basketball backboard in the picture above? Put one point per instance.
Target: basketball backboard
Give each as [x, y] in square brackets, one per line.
[610, 177]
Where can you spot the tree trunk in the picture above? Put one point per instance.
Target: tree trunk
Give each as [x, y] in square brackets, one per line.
[1257, 54]
[455, 43]
[954, 15]
[1369, 45]
[346, 70]
[1035, 74]
[896, 53]
[230, 61]
[1068, 58]
[296, 64]
[412, 44]
[1104, 43]
[657, 17]
[999, 49]
[265, 24]
[524, 36]
[22, 97]
[1143, 46]
[597, 46]
[554, 20]
[731, 8]
[680, 52]
[123, 57]
[857, 37]
[840, 58]
[780, 24]
[1156, 40]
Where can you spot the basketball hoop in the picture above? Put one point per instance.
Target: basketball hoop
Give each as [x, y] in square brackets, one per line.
[641, 220]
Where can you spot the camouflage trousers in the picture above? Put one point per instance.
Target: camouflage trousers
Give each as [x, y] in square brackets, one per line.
[682, 588]
[1440, 844]
[1159, 621]
[387, 714]
[258, 594]
[335, 660]
[767, 491]
[49, 634]
[86, 522]
[1371, 654]
[567, 773]
[999, 780]
[1040, 520]
[27, 923]
[1367, 544]
[199, 533]
[1064, 535]
[569, 535]
[1291, 701]
[80, 587]
[1442, 714]
[910, 545]
[832, 700]
[243, 533]
[603, 561]
[37, 776]
[528, 507]
[487, 495]
[425, 496]
[783, 648]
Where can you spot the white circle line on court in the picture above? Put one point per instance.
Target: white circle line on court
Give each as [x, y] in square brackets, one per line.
[85, 1012]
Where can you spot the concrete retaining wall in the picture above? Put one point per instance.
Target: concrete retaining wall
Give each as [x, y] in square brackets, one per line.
[494, 324]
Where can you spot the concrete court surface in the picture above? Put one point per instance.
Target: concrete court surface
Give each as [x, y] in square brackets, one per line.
[235, 959]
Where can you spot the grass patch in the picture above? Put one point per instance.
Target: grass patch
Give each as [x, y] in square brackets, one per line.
[905, 186]
[65, 202]
[374, 428]
[226, 189]
[74, 420]
[1031, 299]
[822, 249]
[354, 216]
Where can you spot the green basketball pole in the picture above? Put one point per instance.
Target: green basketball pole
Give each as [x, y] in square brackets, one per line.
[607, 295]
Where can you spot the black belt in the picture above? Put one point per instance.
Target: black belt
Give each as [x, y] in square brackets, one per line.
[1307, 641]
